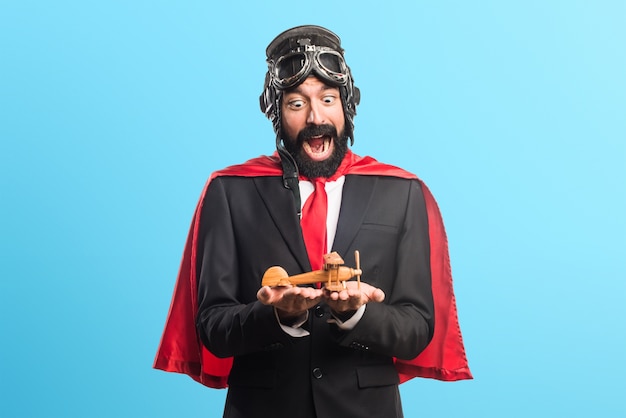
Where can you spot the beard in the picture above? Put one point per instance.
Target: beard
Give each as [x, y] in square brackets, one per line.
[315, 169]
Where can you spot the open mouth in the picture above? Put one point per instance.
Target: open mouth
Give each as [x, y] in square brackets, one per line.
[318, 147]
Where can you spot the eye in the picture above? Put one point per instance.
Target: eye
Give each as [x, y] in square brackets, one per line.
[296, 103]
[328, 99]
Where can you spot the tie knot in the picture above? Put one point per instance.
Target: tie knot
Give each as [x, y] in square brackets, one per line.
[320, 183]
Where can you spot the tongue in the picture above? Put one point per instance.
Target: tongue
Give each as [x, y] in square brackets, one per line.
[316, 144]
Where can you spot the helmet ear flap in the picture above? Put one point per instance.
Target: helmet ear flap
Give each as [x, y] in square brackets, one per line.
[350, 98]
[356, 94]
[269, 103]
[265, 100]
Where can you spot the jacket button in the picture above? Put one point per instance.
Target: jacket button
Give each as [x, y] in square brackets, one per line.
[358, 346]
[319, 311]
[317, 373]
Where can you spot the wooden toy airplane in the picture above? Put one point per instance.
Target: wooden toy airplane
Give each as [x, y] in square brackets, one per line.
[333, 275]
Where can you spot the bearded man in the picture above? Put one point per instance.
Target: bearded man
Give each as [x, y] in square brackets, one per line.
[307, 351]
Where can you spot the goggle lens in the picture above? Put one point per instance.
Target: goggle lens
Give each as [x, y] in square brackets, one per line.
[290, 66]
[331, 62]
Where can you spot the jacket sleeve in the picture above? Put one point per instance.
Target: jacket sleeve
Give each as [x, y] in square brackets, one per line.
[230, 321]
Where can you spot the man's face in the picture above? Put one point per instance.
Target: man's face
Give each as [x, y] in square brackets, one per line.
[313, 127]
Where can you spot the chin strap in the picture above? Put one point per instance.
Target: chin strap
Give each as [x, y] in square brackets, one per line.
[290, 174]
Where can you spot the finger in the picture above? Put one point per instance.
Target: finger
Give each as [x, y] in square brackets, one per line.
[311, 293]
[341, 296]
[349, 295]
[378, 295]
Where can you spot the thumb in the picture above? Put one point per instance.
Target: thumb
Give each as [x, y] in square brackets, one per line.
[378, 295]
[264, 295]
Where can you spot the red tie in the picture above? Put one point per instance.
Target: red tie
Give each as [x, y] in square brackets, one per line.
[314, 224]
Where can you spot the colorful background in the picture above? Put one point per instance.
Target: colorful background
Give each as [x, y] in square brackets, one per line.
[113, 114]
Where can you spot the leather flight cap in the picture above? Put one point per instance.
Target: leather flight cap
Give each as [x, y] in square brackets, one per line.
[293, 38]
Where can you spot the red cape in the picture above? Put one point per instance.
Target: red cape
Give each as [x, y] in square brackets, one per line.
[181, 351]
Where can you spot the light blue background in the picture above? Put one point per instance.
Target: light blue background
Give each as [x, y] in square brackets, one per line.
[113, 114]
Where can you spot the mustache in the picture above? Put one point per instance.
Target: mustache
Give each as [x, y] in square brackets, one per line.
[316, 130]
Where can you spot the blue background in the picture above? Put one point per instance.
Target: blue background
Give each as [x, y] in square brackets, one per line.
[114, 113]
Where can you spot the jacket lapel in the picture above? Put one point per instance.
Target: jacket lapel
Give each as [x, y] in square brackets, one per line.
[357, 193]
[280, 204]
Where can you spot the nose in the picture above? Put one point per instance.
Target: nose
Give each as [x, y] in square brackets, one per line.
[316, 115]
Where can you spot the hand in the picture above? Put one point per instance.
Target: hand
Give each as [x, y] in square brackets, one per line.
[290, 301]
[351, 298]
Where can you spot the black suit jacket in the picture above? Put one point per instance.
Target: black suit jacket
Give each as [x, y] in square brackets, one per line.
[249, 225]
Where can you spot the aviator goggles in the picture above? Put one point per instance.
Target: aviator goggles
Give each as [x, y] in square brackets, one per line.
[292, 68]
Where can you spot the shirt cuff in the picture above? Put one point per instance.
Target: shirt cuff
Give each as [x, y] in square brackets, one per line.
[350, 323]
[294, 330]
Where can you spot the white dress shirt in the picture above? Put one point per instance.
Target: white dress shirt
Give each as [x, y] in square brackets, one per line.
[334, 191]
